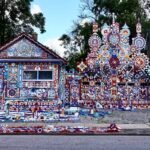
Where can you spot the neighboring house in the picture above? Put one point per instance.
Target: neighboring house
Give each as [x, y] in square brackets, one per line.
[30, 73]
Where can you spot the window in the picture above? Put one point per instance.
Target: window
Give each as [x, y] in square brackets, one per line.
[37, 75]
[30, 75]
[45, 75]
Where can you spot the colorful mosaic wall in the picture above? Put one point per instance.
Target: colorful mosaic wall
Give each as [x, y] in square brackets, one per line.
[115, 72]
[21, 86]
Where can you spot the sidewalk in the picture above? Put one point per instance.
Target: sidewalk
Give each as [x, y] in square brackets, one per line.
[129, 123]
[122, 126]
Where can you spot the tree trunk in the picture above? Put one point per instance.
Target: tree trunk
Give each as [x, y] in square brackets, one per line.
[2, 22]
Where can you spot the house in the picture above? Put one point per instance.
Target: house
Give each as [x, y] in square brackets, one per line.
[31, 74]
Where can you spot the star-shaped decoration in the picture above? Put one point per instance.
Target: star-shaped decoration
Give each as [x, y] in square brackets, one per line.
[82, 66]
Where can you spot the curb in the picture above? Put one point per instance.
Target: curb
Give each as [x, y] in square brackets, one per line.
[123, 132]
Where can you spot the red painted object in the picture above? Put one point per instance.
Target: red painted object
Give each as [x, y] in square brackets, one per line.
[113, 128]
[62, 130]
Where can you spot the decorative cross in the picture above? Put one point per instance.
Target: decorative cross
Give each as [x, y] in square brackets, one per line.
[113, 16]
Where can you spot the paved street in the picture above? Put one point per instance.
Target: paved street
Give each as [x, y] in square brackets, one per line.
[74, 142]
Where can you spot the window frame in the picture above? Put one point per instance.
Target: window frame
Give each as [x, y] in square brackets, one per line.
[37, 78]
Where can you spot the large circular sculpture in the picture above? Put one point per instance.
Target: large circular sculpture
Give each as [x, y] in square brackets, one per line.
[114, 38]
[140, 42]
[94, 41]
[141, 61]
[114, 62]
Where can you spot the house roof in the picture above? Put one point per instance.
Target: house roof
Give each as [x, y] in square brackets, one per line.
[32, 40]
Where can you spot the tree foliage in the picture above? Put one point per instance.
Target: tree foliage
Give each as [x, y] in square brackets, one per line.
[126, 11]
[16, 16]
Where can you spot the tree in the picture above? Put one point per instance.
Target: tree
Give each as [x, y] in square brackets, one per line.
[126, 11]
[71, 53]
[15, 17]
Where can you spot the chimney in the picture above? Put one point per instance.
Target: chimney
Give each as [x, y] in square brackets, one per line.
[35, 36]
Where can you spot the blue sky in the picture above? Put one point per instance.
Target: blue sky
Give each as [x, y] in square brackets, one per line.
[59, 16]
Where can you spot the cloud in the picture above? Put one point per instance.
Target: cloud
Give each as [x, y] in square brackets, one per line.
[55, 45]
[35, 9]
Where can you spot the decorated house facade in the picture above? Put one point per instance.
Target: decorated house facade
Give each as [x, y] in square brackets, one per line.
[30, 74]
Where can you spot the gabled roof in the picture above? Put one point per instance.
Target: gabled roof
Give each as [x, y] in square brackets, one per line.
[32, 40]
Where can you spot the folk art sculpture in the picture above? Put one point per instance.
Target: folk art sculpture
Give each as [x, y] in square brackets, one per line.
[115, 72]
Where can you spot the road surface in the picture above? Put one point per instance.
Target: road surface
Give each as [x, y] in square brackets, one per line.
[41, 142]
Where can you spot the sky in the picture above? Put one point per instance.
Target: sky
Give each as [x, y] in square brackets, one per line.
[59, 15]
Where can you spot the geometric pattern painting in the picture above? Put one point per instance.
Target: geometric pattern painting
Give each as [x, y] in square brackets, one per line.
[115, 72]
